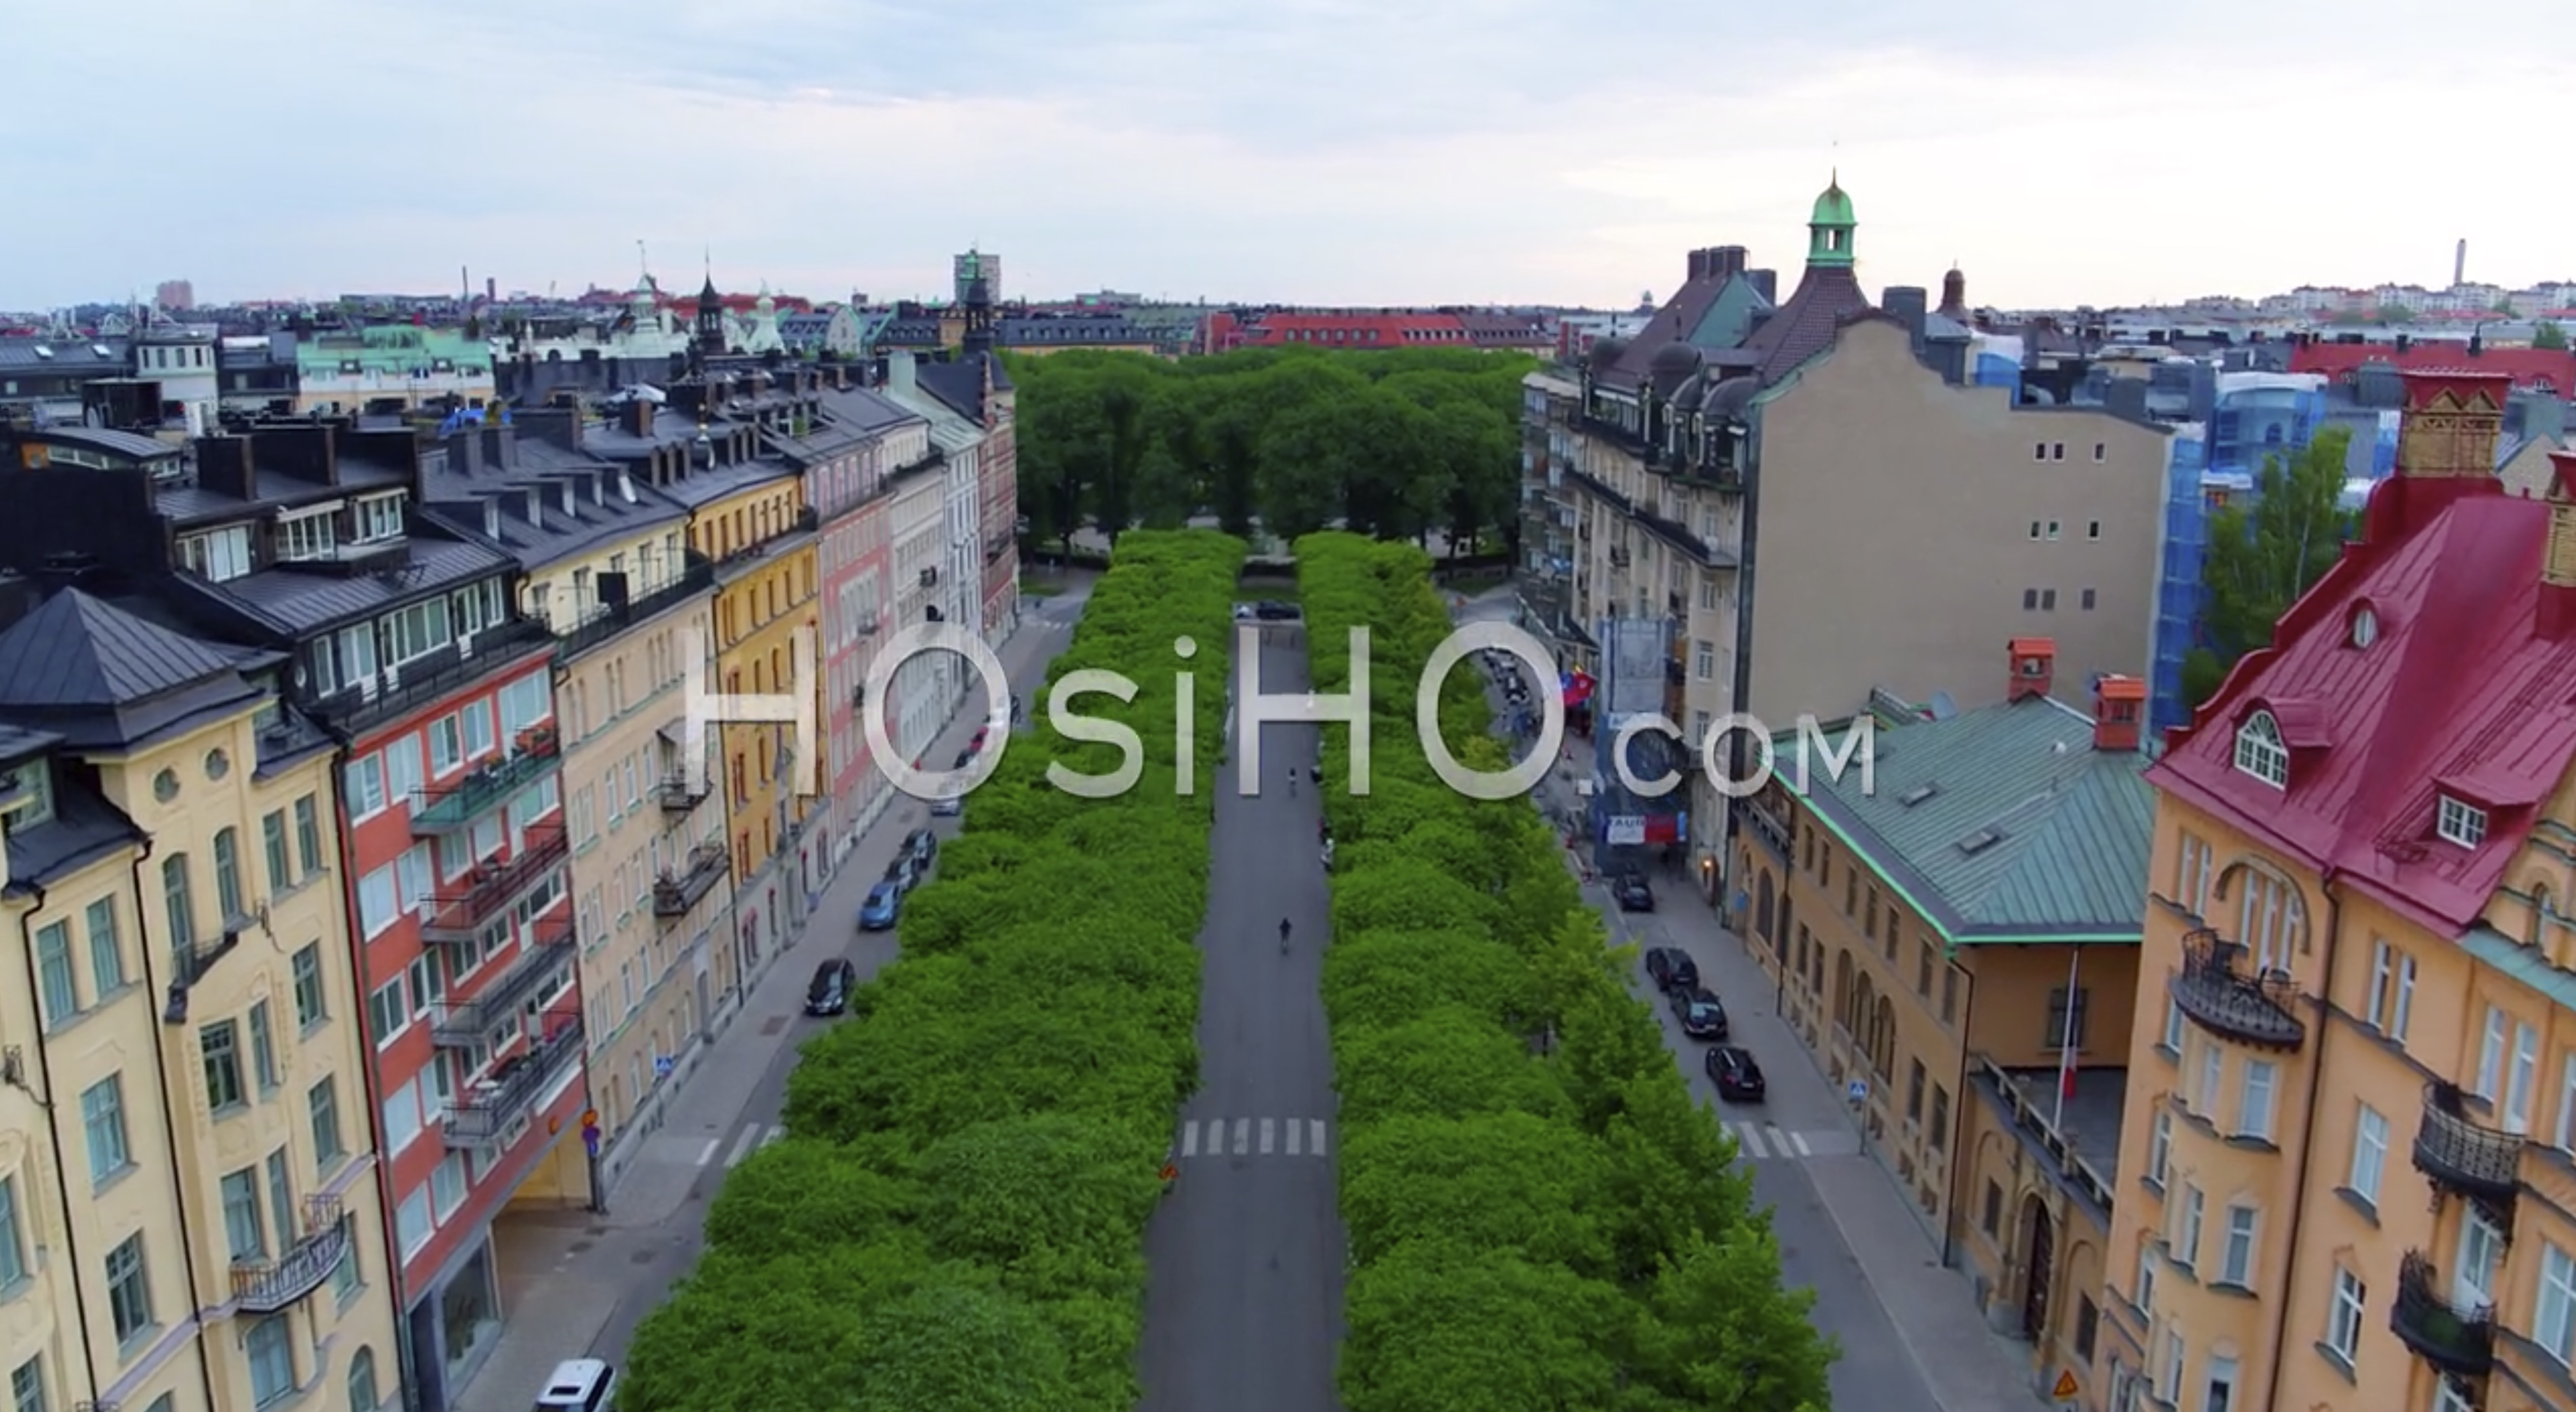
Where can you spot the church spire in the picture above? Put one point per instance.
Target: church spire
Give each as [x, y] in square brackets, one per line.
[1830, 226]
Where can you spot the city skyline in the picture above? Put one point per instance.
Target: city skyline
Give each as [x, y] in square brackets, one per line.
[1320, 153]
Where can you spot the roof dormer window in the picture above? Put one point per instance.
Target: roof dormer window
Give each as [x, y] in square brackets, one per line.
[2260, 751]
[2460, 822]
[2363, 627]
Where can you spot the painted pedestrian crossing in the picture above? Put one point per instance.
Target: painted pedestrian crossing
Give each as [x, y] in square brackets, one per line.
[1252, 1137]
[1769, 1142]
[753, 1138]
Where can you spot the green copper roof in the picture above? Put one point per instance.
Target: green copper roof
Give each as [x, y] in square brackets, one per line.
[396, 349]
[2002, 824]
[1829, 226]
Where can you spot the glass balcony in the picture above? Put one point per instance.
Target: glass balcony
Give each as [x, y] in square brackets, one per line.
[267, 1286]
[2458, 1341]
[511, 1092]
[2462, 1155]
[460, 910]
[545, 955]
[444, 809]
[2218, 993]
[675, 893]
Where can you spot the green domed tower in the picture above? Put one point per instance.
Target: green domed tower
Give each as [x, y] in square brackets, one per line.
[1829, 227]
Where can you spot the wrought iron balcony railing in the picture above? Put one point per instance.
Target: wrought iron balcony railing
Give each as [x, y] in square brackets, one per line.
[2458, 1341]
[675, 893]
[545, 955]
[267, 1286]
[189, 963]
[2463, 1155]
[446, 808]
[2217, 992]
[697, 578]
[458, 911]
[514, 1087]
[681, 793]
[398, 691]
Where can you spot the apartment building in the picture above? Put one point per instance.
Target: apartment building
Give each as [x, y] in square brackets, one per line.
[1897, 521]
[954, 397]
[401, 640]
[933, 516]
[1954, 932]
[386, 368]
[603, 565]
[2348, 1178]
[189, 1211]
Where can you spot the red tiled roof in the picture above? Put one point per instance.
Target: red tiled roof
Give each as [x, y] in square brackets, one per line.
[2465, 689]
[2552, 369]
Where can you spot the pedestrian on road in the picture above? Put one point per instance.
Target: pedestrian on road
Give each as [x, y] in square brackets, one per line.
[1283, 936]
[1292, 781]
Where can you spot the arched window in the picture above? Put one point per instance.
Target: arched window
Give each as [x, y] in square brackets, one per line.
[2542, 910]
[2271, 916]
[2260, 751]
[1882, 1037]
[362, 1381]
[1762, 907]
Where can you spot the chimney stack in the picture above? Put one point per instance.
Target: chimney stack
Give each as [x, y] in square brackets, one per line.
[2446, 443]
[2119, 713]
[2034, 667]
[2558, 561]
[635, 418]
[1695, 266]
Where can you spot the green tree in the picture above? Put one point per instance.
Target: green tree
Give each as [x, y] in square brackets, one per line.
[2396, 314]
[2262, 556]
[2547, 334]
[1439, 1327]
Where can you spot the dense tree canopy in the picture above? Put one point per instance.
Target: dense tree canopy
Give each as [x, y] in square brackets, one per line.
[955, 1220]
[2262, 556]
[1540, 1217]
[1290, 440]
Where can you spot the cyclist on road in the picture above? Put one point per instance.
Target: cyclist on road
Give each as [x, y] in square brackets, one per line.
[1283, 936]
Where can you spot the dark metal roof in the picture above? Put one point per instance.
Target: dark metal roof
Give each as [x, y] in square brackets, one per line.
[1804, 325]
[68, 352]
[103, 678]
[130, 445]
[865, 409]
[19, 742]
[454, 498]
[297, 602]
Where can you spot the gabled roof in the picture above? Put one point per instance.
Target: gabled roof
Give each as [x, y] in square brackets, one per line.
[2554, 369]
[100, 676]
[2459, 689]
[2001, 824]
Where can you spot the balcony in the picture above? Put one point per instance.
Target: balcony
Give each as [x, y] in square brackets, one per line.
[675, 893]
[696, 580]
[2459, 1342]
[446, 808]
[512, 1091]
[1618, 556]
[680, 793]
[461, 909]
[742, 561]
[2465, 1156]
[189, 964]
[544, 955]
[2220, 996]
[1603, 429]
[268, 1286]
[400, 691]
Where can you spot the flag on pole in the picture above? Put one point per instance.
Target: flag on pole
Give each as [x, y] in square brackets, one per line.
[2066, 1039]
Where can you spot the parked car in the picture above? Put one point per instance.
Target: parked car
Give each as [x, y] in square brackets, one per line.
[1683, 997]
[948, 808]
[923, 847]
[903, 870]
[884, 905]
[1704, 1019]
[1631, 893]
[1660, 961]
[833, 982]
[1680, 973]
[1737, 1076]
[1272, 611]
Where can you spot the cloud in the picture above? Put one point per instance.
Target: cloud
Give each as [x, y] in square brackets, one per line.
[1359, 151]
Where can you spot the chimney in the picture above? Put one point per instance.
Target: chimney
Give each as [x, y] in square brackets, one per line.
[2558, 561]
[2544, 417]
[1726, 261]
[902, 378]
[224, 465]
[2034, 667]
[1696, 267]
[1907, 303]
[1765, 283]
[2446, 443]
[500, 447]
[2119, 711]
[308, 453]
[635, 417]
[556, 426]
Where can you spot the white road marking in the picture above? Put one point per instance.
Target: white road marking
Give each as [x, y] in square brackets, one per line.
[742, 1147]
[1750, 1139]
[1242, 1136]
[1267, 1126]
[1315, 1130]
[1189, 1139]
[776, 1132]
[1800, 1139]
[709, 1154]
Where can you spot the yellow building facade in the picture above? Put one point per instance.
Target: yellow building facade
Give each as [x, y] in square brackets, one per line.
[189, 1209]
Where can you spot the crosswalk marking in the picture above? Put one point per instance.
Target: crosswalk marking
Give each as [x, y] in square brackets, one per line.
[753, 1136]
[1249, 1137]
[1769, 1142]
[1801, 1140]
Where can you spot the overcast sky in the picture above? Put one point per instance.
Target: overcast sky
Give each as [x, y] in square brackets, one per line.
[1318, 151]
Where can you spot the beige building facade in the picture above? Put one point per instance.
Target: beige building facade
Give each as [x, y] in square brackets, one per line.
[189, 1216]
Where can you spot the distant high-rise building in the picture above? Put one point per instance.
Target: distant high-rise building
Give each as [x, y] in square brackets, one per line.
[175, 295]
[2460, 263]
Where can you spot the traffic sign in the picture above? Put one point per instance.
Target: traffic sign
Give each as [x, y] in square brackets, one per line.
[2065, 1383]
[1858, 1092]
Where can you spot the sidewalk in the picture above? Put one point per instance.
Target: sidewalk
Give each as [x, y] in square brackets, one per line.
[567, 1276]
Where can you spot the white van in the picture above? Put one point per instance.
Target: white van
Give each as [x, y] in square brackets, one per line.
[580, 1385]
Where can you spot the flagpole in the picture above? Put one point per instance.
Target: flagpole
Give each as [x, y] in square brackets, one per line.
[2066, 1039]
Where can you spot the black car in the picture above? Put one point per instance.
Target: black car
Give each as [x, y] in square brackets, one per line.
[1682, 997]
[1681, 973]
[1631, 893]
[833, 982]
[922, 846]
[1738, 1078]
[1660, 961]
[1703, 1018]
[903, 870]
[1272, 611]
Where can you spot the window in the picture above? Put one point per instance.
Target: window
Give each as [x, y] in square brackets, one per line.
[2213, 1066]
[2369, 1154]
[2236, 1247]
[2066, 1030]
[2034, 529]
[416, 631]
[2392, 990]
[2195, 865]
[54, 969]
[1704, 660]
[220, 555]
[364, 783]
[228, 884]
[106, 949]
[2057, 450]
[2491, 1056]
[2169, 1377]
[379, 902]
[412, 1226]
[2048, 600]
[447, 1185]
[27, 1386]
[129, 1295]
[219, 1046]
[2160, 1147]
[2473, 1275]
[2088, 600]
[2052, 529]
[2171, 1040]
[1938, 1139]
[2254, 1098]
[2270, 920]
[362, 1378]
[2260, 751]
[2039, 452]
[2521, 1076]
[272, 838]
[2092, 529]
[2461, 823]
[2030, 600]
[308, 836]
[2343, 1317]
[322, 1108]
[386, 1012]
[1992, 1216]
[2187, 1214]
[182, 909]
[2553, 1319]
[2567, 1104]
[2144, 1295]
[379, 517]
[2088, 1325]
[13, 1239]
[1949, 995]
[272, 1360]
[2219, 1379]
[1915, 1078]
[245, 1237]
[103, 1128]
[446, 745]
[309, 1009]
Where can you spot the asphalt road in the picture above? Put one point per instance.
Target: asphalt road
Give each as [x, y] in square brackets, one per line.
[1243, 1309]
